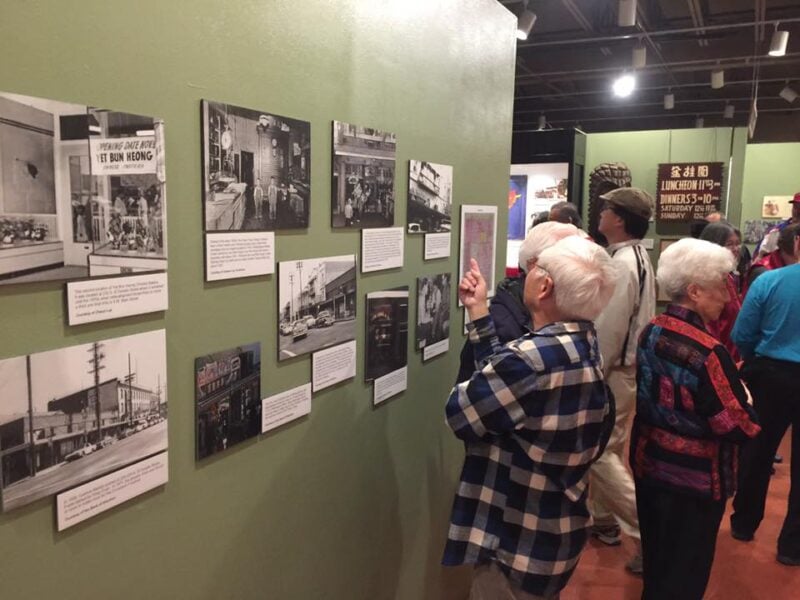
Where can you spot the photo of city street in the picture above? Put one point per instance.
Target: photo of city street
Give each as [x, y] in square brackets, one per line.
[430, 197]
[363, 176]
[316, 303]
[68, 416]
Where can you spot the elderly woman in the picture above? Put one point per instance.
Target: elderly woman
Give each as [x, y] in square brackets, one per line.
[723, 234]
[692, 412]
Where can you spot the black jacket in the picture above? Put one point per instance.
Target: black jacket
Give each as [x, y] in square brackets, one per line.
[511, 320]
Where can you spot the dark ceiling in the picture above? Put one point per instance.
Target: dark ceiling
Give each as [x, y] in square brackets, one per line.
[566, 66]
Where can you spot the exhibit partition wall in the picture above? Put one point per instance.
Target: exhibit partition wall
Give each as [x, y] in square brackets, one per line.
[335, 490]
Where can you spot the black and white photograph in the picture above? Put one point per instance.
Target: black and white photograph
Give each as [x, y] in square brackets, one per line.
[433, 309]
[363, 176]
[316, 304]
[82, 191]
[228, 396]
[256, 169]
[70, 415]
[430, 197]
[387, 332]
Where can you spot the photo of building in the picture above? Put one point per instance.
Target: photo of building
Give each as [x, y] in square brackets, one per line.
[257, 169]
[433, 309]
[430, 197]
[70, 415]
[228, 397]
[317, 304]
[387, 332]
[363, 176]
[82, 191]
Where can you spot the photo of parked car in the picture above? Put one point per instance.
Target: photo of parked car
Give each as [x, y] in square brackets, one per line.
[299, 330]
[286, 328]
[324, 318]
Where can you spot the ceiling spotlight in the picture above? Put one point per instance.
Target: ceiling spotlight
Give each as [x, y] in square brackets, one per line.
[669, 101]
[717, 79]
[639, 56]
[624, 85]
[699, 122]
[777, 47]
[525, 22]
[728, 114]
[542, 121]
[626, 13]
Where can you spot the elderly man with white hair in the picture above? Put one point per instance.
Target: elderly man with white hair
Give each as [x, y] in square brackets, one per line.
[532, 417]
[507, 307]
[692, 413]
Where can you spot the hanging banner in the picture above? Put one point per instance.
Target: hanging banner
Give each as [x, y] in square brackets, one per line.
[123, 156]
[688, 191]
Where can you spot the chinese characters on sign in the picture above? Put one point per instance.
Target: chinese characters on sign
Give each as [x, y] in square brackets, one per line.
[688, 191]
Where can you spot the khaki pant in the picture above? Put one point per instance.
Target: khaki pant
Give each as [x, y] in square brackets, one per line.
[612, 497]
[490, 583]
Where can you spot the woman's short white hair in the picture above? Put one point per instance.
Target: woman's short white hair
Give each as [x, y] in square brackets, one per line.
[541, 237]
[583, 275]
[692, 261]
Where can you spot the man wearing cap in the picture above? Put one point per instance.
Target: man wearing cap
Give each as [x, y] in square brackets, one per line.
[769, 243]
[624, 219]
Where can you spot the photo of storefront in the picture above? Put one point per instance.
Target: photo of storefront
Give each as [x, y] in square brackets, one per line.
[82, 191]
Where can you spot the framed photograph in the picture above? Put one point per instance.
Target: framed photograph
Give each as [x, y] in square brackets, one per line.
[362, 192]
[316, 304]
[82, 191]
[433, 309]
[71, 415]
[755, 230]
[479, 241]
[430, 197]
[228, 398]
[776, 207]
[387, 332]
[256, 169]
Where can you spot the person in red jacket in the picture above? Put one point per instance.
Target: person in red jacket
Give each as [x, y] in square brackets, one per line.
[782, 257]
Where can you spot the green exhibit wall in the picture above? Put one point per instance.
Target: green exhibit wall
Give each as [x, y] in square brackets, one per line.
[642, 151]
[352, 501]
[769, 170]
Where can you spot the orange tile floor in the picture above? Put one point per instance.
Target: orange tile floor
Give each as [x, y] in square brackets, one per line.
[742, 571]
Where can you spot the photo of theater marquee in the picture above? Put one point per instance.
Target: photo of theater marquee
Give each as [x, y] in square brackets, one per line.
[688, 191]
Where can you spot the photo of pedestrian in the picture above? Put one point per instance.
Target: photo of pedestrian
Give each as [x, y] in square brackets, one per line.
[228, 397]
[257, 169]
[433, 309]
[430, 197]
[387, 332]
[363, 176]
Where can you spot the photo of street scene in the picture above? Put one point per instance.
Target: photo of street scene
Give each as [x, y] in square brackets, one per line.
[387, 332]
[257, 169]
[430, 197]
[363, 177]
[228, 397]
[68, 416]
[82, 191]
[316, 304]
[433, 309]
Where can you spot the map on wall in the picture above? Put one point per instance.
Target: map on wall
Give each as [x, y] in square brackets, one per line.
[478, 241]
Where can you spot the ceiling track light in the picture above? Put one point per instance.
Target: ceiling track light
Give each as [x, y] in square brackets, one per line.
[626, 13]
[669, 101]
[788, 94]
[639, 56]
[525, 22]
[728, 113]
[717, 79]
[780, 39]
[542, 121]
[624, 85]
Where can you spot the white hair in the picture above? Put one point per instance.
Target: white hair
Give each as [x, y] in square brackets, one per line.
[692, 261]
[583, 275]
[541, 237]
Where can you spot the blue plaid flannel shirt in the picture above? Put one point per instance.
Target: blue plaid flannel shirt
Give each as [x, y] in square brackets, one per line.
[531, 418]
